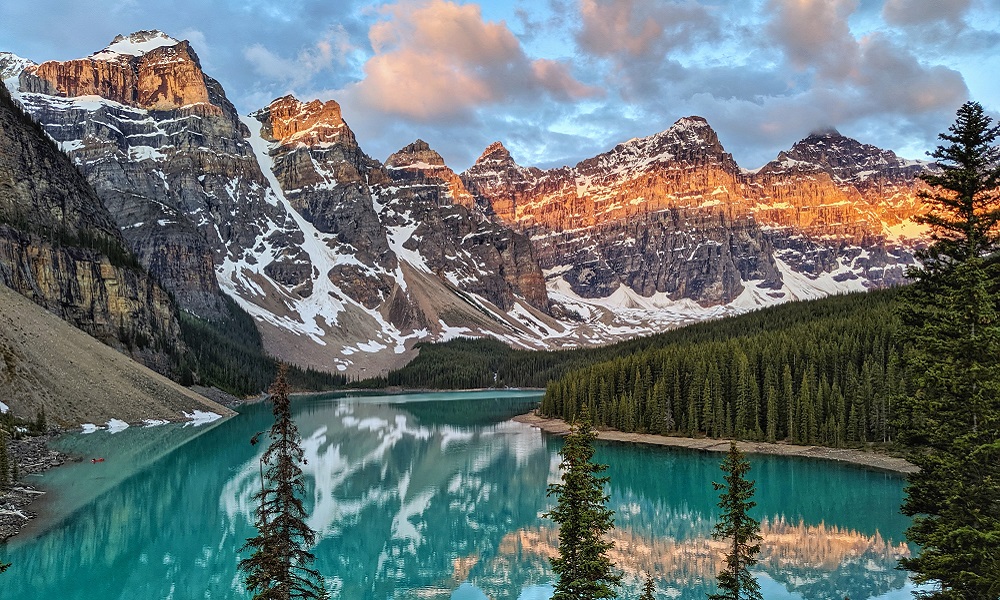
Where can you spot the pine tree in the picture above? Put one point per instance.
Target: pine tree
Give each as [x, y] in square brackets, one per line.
[584, 569]
[648, 588]
[737, 526]
[952, 327]
[279, 568]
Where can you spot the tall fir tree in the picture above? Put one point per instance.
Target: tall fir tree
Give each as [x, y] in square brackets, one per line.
[951, 410]
[584, 569]
[648, 588]
[279, 568]
[737, 527]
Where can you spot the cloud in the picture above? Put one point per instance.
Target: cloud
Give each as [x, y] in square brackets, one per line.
[437, 60]
[814, 34]
[640, 27]
[333, 48]
[924, 12]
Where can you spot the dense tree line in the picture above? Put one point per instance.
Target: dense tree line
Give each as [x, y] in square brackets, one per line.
[823, 373]
[468, 363]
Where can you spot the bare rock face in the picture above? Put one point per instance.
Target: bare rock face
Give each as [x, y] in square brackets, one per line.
[659, 215]
[165, 151]
[454, 238]
[674, 214]
[419, 159]
[147, 70]
[413, 209]
[60, 248]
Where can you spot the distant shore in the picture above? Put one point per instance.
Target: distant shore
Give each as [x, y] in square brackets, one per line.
[871, 460]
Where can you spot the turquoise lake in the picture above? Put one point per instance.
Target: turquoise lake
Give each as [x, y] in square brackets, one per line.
[430, 496]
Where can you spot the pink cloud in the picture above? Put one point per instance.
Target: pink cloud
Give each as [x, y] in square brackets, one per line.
[435, 59]
[641, 27]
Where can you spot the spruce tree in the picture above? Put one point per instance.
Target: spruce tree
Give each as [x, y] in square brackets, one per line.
[739, 528]
[584, 569]
[952, 408]
[648, 588]
[279, 568]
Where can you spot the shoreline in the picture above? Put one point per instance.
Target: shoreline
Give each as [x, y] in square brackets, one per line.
[871, 460]
[33, 456]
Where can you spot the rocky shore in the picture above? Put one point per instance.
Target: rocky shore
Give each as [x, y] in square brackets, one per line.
[32, 455]
[871, 460]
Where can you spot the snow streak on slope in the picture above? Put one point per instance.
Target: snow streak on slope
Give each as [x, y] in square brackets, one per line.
[323, 310]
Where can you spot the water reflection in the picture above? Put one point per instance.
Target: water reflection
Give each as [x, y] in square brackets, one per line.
[429, 499]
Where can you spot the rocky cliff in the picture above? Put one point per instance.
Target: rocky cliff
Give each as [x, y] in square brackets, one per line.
[165, 150]
[60, 248]
[672, 217]
[397, 250]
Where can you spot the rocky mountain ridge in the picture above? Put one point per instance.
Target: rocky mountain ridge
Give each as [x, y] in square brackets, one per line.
[674, 215]
[59, 247]
[346, 262]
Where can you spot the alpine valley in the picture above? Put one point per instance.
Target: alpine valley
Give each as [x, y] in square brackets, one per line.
[346, 262]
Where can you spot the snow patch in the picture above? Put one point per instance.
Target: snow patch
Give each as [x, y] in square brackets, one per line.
[116, 425]
[198, 418]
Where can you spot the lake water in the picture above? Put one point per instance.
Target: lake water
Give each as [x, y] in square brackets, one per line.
[434, 496]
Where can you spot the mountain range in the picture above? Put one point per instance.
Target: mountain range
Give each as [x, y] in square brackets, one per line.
[346, 262]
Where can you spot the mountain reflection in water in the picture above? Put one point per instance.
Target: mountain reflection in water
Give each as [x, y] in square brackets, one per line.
[424, 497]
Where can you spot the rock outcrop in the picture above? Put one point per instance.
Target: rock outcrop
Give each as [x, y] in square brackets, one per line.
[165, 150]
[60, 248]
[674, 214]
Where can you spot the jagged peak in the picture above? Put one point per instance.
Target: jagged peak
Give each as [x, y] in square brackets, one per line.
[11, 65]
[315, 122]
[495, 153]
[417, 155]
[827, 131]
[136, 44]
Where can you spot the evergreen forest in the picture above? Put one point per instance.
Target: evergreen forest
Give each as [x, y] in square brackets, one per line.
[816, 372]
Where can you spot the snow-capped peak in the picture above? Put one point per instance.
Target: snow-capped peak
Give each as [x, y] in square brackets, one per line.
[137, 44]
[11, 65]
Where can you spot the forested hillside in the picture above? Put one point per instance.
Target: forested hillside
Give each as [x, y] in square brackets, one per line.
[823, 373]
[811, 372]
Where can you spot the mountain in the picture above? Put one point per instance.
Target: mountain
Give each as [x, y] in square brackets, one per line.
[60, 248]
[346, 263]
[165, 150]
[390, 254]
[63, 263]
[670, 224]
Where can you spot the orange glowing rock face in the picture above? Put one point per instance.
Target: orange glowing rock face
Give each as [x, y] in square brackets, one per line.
[419, 159]
[819, 187]
[164, 78]
[310, 123]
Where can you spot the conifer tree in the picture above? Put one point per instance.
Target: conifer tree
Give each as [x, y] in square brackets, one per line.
[952, 410]
[584, 569]
[279, 568]
[648, 588]
[739, 528]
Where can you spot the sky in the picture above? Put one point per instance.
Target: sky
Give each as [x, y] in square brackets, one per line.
[558, 81]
